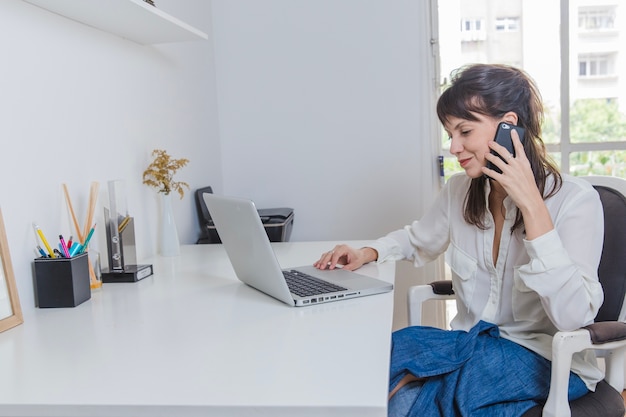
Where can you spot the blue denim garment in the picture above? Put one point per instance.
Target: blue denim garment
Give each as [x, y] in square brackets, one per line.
[475, 373]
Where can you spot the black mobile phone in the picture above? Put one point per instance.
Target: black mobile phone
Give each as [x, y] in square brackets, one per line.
[503, 137]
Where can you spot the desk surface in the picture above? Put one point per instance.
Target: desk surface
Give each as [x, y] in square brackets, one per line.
[192, 340]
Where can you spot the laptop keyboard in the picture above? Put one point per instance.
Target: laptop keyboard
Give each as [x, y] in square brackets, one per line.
[305, 285]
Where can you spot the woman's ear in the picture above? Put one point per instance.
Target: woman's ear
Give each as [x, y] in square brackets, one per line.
[510, 117]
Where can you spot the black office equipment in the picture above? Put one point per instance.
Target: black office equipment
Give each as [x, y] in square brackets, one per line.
[278, 222]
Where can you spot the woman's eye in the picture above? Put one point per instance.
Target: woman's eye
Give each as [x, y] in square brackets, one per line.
[465, 132]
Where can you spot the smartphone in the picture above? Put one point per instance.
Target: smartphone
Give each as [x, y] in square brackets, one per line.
[503, 137]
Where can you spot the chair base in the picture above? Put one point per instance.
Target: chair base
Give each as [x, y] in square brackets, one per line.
[605, 402]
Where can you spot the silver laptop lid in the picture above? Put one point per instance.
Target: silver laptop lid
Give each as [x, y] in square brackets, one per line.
[247, 245]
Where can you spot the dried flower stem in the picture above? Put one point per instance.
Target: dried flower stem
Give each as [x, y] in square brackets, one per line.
[160, 173]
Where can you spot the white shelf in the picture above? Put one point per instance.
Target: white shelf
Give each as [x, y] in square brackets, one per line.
[135, 20]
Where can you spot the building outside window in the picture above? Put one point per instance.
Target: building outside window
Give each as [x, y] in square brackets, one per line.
[581, 75]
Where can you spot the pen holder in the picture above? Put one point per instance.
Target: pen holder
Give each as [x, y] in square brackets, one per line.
[62, 282]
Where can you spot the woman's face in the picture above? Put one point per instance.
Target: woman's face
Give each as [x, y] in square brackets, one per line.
[468, 141]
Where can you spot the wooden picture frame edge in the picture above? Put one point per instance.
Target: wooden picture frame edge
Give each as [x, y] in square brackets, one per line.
[16, 318]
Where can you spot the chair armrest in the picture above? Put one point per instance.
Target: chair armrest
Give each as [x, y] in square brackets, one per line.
[438, 290]
[605, 336]
[610, 337]
[442, 287]
[607, 331]
[564, 345]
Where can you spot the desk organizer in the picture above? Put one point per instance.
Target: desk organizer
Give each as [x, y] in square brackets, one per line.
[62, 282]
[120, 234]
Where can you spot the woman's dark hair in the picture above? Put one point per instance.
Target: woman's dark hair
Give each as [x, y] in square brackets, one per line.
[493, 91]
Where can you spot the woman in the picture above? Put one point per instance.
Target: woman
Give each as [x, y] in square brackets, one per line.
[523, 246]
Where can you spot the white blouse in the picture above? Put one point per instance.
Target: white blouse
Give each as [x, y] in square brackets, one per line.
[537, 287]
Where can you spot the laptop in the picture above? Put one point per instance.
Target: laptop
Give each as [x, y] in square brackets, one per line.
[252, 257]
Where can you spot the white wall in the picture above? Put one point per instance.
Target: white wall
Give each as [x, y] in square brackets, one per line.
[328, 107]
[80, 105]
[325, 106]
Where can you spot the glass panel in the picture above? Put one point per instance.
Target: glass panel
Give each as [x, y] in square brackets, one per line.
[597, 81]
[597, 120]
[597, 68]
[612, 163]
[503, 40]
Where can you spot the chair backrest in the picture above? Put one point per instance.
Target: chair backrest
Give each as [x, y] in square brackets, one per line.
[204, 218]
[612, 269]
[203, 212]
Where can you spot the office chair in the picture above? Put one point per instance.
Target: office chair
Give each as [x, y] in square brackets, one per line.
[607, 336]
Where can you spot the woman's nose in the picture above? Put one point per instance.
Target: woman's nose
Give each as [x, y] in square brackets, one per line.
[455, 146]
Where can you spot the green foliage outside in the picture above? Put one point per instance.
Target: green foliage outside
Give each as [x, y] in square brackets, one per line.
[597, 121]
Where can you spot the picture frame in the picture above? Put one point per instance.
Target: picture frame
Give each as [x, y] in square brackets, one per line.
[10, 310]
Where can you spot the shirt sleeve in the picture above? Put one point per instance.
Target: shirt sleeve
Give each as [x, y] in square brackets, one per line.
[564, 262]
[422, 241]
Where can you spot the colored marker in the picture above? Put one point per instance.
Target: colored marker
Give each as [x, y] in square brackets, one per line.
[76, 247]
[84, 248]
[44, 241]
[42, 252]
[64, 246]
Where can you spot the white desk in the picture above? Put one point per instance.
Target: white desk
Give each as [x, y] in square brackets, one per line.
[191, 340]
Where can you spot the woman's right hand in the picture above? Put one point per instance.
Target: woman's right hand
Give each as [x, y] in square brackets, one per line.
[346, 257]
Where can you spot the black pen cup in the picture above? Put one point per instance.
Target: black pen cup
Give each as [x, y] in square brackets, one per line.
[62, 282]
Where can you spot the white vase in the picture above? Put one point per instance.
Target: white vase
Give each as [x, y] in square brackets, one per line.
[168, 239]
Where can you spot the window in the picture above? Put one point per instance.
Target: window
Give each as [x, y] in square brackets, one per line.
[576, 53]
[592, 19]
[595, 65]
[472, 30]
[507, 24]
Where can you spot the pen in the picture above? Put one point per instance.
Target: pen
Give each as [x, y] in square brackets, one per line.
[44, 241]
[64, 246]
[76, 247]
[69, 242]
[58, 253]
[84, 248]
[41, 252]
